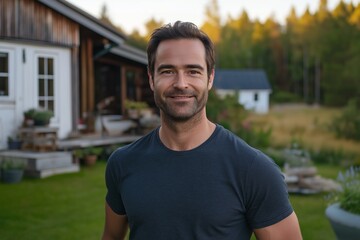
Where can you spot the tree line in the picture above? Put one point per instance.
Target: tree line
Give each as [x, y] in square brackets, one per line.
[314, 56]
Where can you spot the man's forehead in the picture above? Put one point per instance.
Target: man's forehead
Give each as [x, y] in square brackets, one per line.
[182, 51]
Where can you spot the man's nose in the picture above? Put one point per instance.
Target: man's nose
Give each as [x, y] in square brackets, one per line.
[180, 81]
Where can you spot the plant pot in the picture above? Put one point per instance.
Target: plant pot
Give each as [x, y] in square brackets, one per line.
[42, 123]
[346, 225]
[14, 145]
[90, 160]
[12, 175]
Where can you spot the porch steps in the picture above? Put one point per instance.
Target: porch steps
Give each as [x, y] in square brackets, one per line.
[44, 164]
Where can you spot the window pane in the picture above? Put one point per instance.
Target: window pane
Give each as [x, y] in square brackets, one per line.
[4, 59]
[4, 86]
[41, 66]
[50, 87]
[50, 105]
[42, 104]
[41, 87]
[50, 66]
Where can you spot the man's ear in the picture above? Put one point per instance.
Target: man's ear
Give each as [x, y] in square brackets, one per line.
[151, 79]
[211, 79]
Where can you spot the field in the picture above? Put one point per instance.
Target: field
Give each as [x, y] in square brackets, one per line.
[307, 125]
[71, 206]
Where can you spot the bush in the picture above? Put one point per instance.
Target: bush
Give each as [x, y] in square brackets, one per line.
[347, 125]
[284, 97]
[257, 138]
[349, 194]
[329, 156]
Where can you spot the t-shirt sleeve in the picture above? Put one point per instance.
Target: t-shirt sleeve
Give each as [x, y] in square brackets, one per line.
[113, 184]
[267, 198]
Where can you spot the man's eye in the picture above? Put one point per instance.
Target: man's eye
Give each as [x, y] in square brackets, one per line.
[166, 72]
[194, 72]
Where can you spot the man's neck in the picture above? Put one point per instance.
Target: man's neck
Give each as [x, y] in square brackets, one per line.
[182, 136]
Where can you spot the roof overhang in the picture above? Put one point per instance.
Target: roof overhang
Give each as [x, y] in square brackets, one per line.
[131, 53]
[83, 18]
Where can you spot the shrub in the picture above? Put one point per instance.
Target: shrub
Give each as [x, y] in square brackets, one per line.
[328, 156]
[349, 194]
[347, 125]
[284, 97]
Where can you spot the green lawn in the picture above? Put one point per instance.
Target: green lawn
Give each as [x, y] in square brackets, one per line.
[71, 206]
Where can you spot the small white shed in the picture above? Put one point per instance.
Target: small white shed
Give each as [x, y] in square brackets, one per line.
[252, 87]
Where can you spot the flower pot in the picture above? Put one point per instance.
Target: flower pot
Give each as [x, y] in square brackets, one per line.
[90, 160]
[346, 225]
[14, 145]
[12, 175]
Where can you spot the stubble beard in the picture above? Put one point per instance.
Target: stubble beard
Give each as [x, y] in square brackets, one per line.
[181, 112]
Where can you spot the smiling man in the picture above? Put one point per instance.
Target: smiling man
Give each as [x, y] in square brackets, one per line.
[191, 178]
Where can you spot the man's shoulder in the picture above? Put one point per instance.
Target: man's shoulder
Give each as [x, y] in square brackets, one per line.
[136, 147]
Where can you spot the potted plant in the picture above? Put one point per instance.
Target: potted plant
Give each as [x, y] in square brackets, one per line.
[344, 211]
[29, 117]
[12, 170]
[90, 155]
[42, 117]
[134, 108]
[14, 143]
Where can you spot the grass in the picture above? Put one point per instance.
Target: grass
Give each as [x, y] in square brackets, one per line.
[69, 206]
[306, 125]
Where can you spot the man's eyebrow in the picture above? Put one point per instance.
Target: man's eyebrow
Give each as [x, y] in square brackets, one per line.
[188, 66]
[196, 66]
[165, 66]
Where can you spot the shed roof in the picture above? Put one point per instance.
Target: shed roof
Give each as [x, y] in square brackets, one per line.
[233, 79]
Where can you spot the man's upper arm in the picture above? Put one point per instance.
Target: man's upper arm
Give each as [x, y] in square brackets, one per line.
[116, 225]
[287, 228]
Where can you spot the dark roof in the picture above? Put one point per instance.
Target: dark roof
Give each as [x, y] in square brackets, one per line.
[241, 79]
[85, 19]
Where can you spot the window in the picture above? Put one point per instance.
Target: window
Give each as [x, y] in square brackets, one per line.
[256, 97]
[46, 83]
[4, 74]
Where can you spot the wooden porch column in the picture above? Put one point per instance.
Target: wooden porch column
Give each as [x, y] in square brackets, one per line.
[87, 77]
[123, 96]
[91, 81]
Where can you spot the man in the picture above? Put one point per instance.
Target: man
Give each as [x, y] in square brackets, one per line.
[191, 178]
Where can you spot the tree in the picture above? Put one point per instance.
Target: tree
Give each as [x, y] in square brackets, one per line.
[212, 24]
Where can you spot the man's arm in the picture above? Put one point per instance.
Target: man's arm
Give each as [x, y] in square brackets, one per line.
[116, 225]
[286, 229]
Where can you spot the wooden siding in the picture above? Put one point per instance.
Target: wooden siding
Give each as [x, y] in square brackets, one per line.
[30, 20]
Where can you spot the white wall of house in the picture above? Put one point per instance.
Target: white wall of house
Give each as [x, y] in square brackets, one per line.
[256, 100]
[23, 78]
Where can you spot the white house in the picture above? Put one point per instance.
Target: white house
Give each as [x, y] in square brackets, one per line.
[252, 87]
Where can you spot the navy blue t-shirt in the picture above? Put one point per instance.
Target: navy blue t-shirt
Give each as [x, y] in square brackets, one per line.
[222, 189]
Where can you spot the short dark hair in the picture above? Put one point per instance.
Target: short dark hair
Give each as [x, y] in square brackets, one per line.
[180, 30]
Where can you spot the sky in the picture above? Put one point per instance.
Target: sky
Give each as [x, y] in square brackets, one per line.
[133, 14]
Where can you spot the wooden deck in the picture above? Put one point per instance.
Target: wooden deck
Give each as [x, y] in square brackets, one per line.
[90, 141]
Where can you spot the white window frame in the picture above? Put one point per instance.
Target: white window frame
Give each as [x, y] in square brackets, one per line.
[53, 55]
[46, 78]
[10, 74]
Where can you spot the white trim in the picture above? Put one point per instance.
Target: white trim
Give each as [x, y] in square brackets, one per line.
[11, 73]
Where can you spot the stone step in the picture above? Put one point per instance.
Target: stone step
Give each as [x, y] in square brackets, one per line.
[50, 162]
[44, 164]
[52, 171]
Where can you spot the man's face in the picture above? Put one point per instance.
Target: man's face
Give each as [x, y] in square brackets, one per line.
[180, 82]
